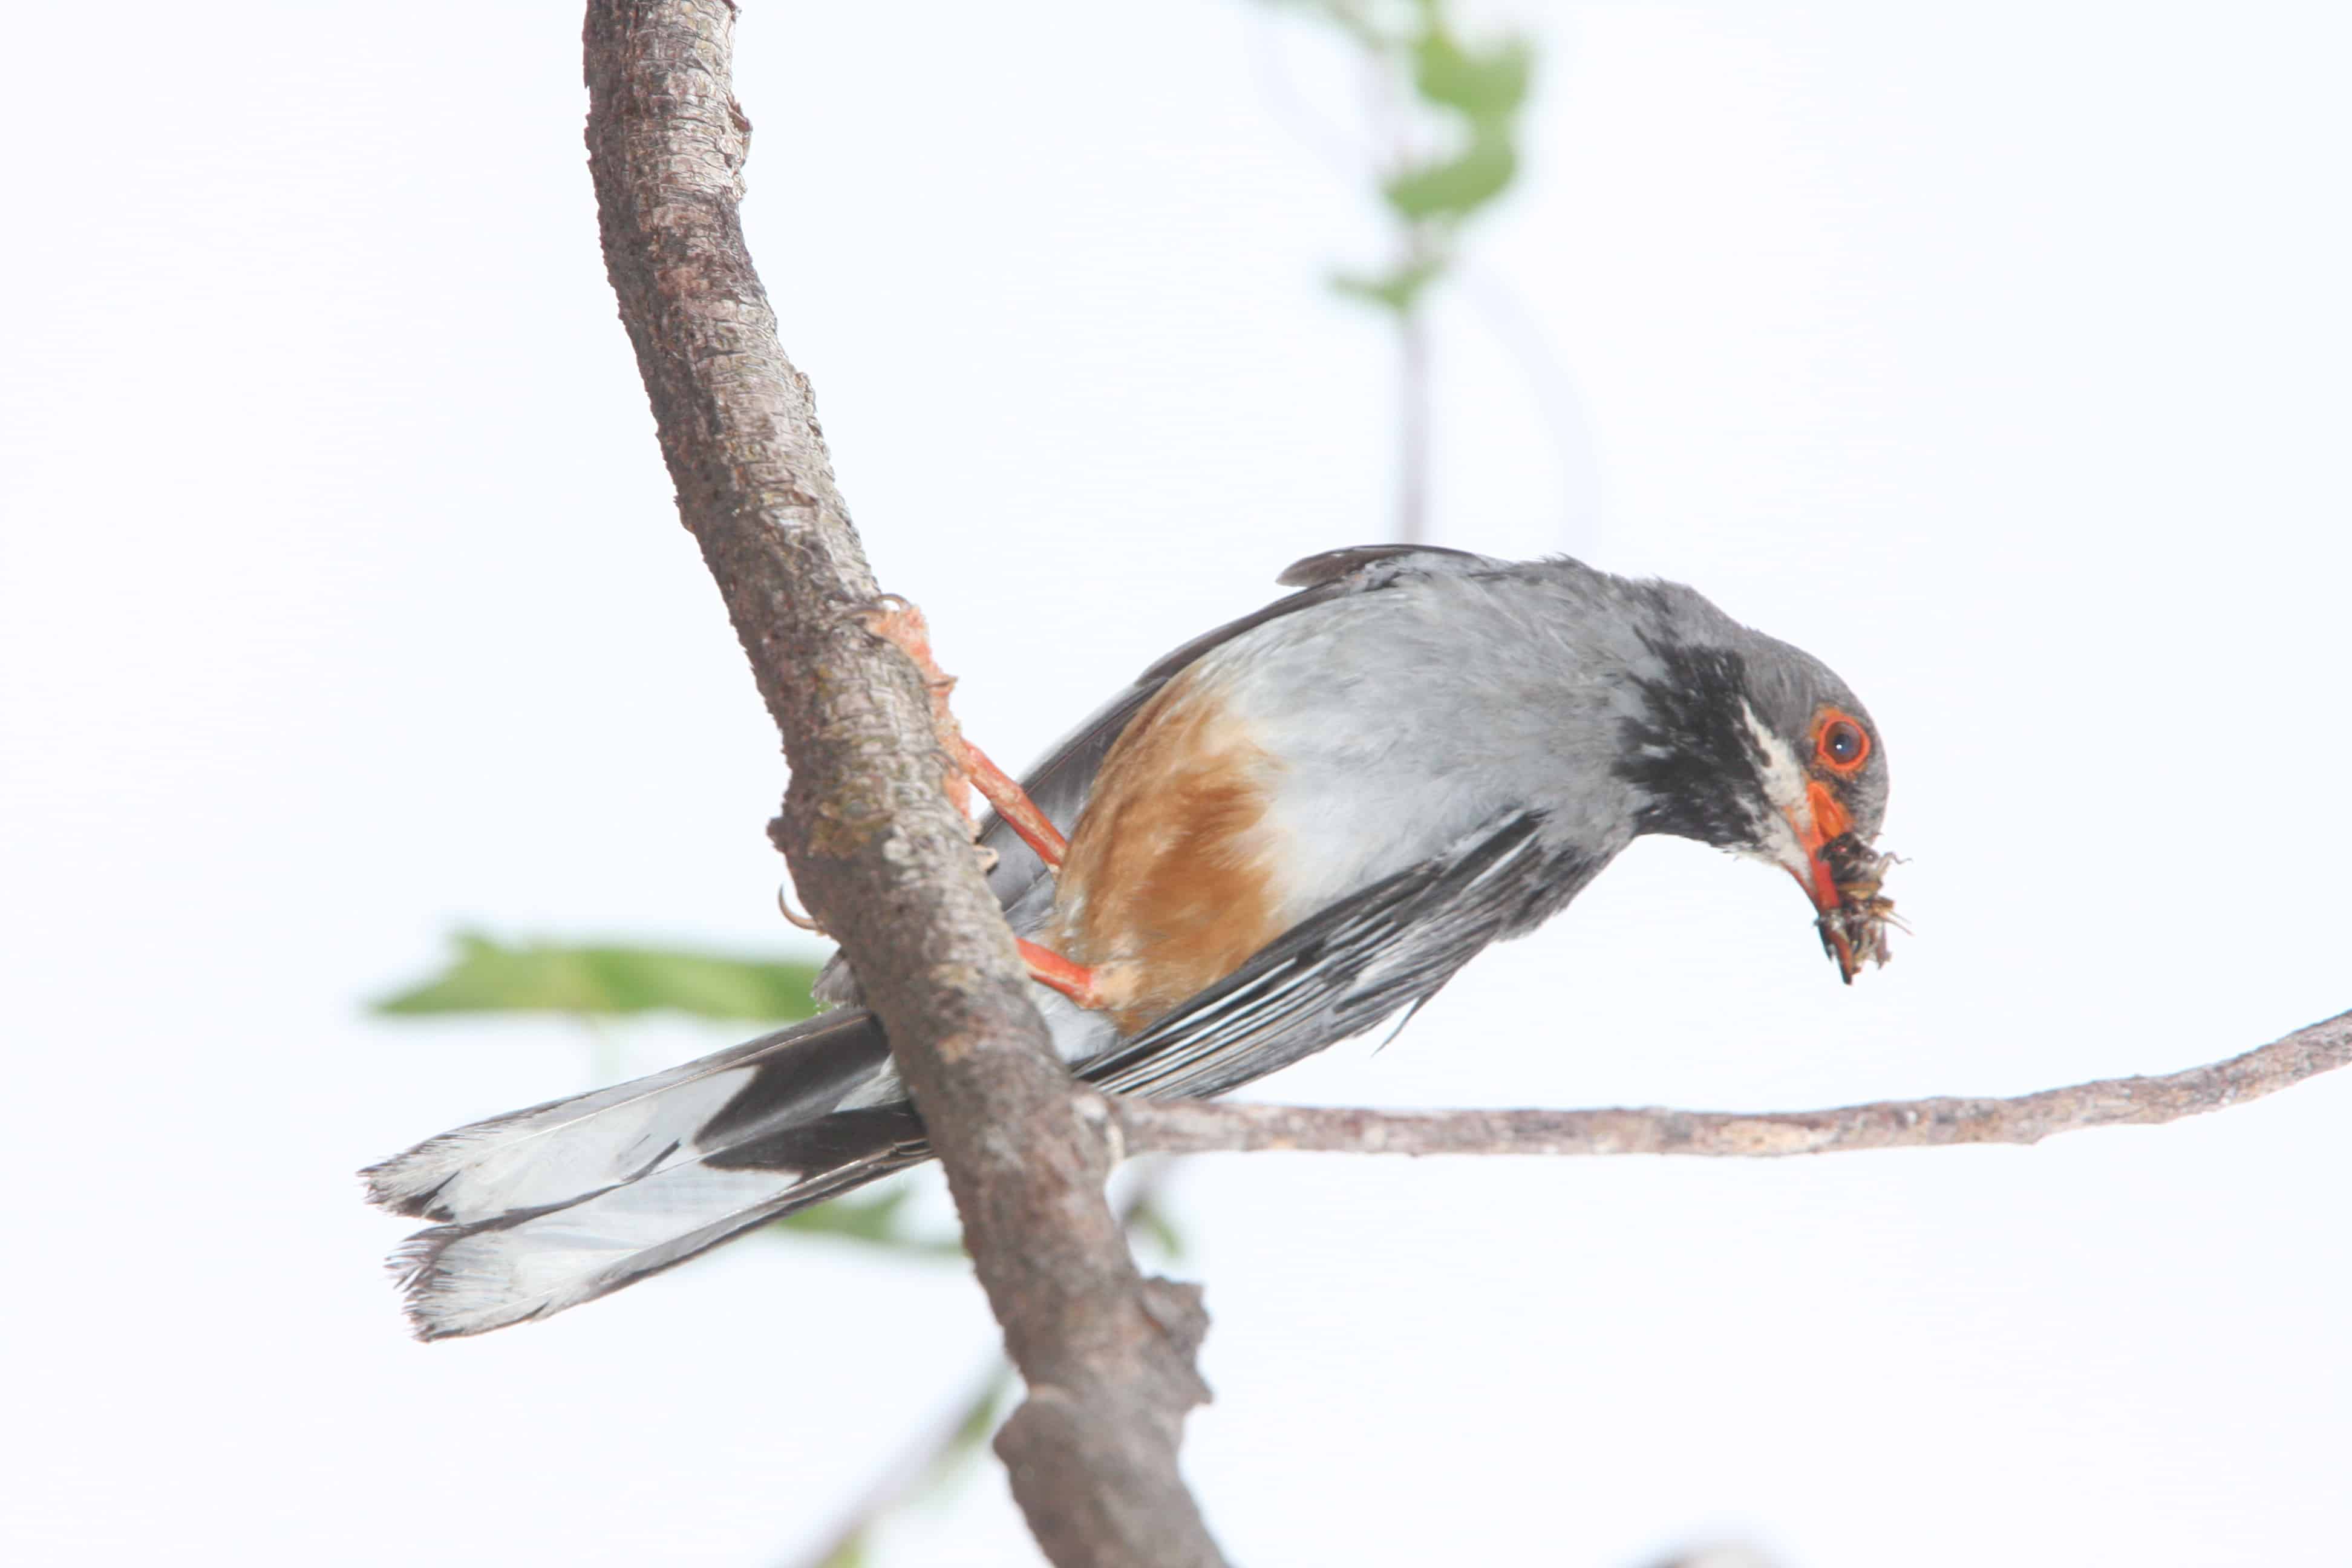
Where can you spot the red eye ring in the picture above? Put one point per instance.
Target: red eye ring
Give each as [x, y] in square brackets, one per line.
[1840, 744]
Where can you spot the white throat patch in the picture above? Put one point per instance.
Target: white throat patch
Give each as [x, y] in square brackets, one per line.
[1784, 792]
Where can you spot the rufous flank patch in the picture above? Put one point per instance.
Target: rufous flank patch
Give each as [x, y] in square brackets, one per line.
[1169, 883]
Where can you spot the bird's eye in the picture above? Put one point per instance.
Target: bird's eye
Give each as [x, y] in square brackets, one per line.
[1842, 744]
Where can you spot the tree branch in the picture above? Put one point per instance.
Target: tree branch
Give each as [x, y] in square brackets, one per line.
[1197, 1127]
[875, 848]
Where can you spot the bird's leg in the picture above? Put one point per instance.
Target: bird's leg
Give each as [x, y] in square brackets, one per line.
[1047, 967]
[899, 622]
[896, 621]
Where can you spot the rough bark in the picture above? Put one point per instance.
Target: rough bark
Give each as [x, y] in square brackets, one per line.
[874, 848]
[1193, 1126]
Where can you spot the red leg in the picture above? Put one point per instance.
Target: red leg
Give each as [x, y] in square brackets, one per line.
[902, 623]
[1012, 802]
[1075, 981]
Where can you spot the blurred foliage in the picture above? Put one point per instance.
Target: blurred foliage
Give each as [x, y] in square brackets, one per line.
[1456, 131]
[1147, 1220]
[850, 1553]
[606, 981]
[878, 1221]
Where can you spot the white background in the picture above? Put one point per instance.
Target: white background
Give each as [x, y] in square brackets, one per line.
[1994, 353]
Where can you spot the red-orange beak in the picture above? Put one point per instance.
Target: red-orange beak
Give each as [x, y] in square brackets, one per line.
[1824, 819]
[1841, 877]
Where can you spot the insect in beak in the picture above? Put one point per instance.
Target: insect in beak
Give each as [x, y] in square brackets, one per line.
[1842, 876]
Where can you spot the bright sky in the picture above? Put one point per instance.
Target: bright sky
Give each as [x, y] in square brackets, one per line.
[1996, 354]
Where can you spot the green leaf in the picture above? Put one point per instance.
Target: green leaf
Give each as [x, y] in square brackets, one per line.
[1399, 291]
[1487, 85]
[1148, 1218]
[1455, 188]
[875, 1221]
[872, 1219]
[850, 1553]
[488, 976]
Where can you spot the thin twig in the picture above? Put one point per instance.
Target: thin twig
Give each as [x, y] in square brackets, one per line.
[916, 1465]
[924, 1462]
[1196, 1127]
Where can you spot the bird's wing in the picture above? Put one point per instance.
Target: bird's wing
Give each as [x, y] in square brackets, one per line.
[1340, 972]
[1060, 784]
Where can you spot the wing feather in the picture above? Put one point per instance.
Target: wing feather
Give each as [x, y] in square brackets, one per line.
[1060, 784]
[1340, 973]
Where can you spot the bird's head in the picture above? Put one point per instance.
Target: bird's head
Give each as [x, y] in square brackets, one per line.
[1751, 745]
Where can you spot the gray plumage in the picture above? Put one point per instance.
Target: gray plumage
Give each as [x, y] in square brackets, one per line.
[1460, 745]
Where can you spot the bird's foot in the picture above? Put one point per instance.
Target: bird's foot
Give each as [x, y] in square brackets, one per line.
[1075, 981]
[900, 623]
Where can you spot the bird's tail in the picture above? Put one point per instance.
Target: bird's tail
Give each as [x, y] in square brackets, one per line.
[549, 1208]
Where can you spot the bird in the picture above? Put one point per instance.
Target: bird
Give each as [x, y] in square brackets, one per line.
[1285, 833]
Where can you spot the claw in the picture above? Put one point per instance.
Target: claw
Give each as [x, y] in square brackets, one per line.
[793, 917]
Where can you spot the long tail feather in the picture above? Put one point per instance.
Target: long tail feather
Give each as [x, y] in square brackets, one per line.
[469, 1278]
[558, 1204]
